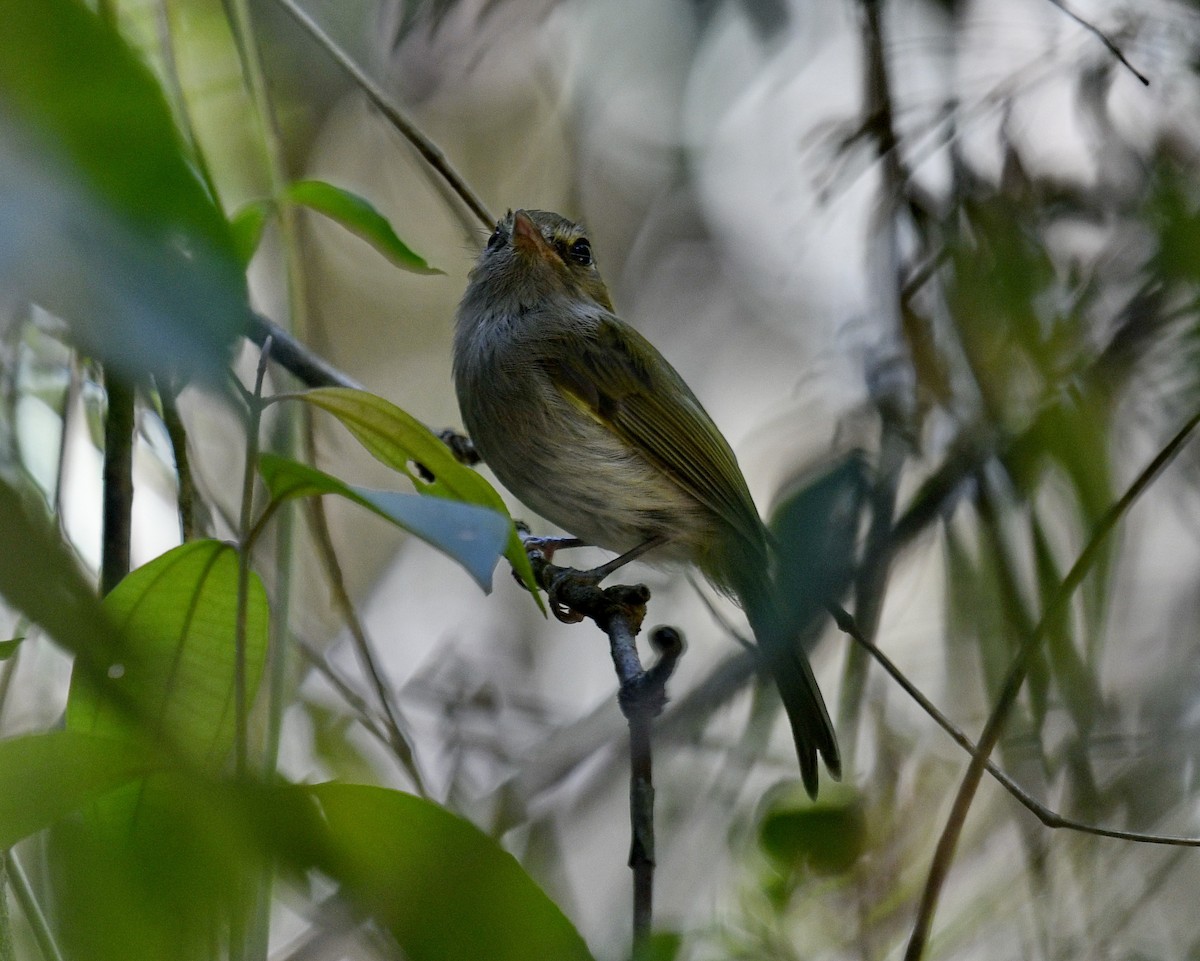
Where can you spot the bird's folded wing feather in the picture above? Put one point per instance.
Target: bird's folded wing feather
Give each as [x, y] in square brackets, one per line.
[622, 382]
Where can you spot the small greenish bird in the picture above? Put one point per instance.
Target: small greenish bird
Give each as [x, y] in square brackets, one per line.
[584, 421]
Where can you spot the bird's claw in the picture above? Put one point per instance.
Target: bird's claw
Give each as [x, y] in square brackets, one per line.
[568, 579]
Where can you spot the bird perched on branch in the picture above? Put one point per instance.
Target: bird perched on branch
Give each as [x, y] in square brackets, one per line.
[584, 421]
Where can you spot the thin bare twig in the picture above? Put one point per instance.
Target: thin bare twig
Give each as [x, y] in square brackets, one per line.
[308, 367]
[1048, 817]
[1104, 39]
[245, 526]
[948, 842]
[345, 690]
[186, 483]
[397, 738]
[871, 581]
[118, 479]
[424, 146]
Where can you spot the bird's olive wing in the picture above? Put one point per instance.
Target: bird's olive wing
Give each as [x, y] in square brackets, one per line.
[619, 379]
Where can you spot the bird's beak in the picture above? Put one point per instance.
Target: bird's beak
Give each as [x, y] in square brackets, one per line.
[527, 238]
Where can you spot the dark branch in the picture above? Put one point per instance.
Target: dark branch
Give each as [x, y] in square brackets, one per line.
[424, 146]
[118, 479]
[1104, 39]
[619, 612]
[1048, 817]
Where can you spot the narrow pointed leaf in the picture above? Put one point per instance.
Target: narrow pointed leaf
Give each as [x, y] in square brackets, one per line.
[400, 441]
[247, 226]
[471, 535]
[359, 217]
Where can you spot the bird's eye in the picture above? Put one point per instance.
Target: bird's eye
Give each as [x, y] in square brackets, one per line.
[581, 252]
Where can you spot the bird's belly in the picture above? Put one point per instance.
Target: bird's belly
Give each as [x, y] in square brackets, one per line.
[584, 479]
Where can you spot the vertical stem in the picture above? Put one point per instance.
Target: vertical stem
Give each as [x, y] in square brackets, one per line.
[183, 469]
[34, 916]
[245, 527]
[297, 323]
[870, 585]
[641, 820]
[7, 951]
[244, 899]
[118, 481]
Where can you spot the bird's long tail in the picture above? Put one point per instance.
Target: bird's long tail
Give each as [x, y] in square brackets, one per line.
[779, 640]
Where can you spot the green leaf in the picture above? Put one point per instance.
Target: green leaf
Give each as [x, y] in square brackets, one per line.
[445, 890]
[359, 217]
[828, 835]
[174, 668]
[248, 225]
[40, 577]
[1075, 680]
[45, 777]
[660, 946]
[9, 648]
[815, 528]
[103, 221]
[400, 441]
[473, 536]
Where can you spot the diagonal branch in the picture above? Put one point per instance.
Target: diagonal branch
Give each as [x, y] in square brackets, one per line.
[948, 842]
[1104, 39]
[430, 151]
[1048, 817]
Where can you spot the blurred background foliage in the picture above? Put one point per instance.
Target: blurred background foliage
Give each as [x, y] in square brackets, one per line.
[933, 266]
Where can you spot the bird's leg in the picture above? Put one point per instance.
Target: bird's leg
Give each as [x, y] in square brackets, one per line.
[594, 577]
[597, 574]
[546, 546]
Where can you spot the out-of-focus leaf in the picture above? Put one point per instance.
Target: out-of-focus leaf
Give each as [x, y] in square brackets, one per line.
[473, 536]
[445, 890]
[660, 946]
[175, 663]
[9, 648]
[1177, 219]
[815, 528]
[359, 217]
[45, 777]
[102, 220]
[157, 883]
[827, 835]
[247, 226]
[1071, 675]
[41, 578]
[399, 441]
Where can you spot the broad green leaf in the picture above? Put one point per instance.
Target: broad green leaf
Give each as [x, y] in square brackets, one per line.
[247, 226]
[827, 835]
[471, 535]
[175, 664]
[360, 218]
[159, 881]
[102, 219]
[445, 890]
[45, 777]
[400, 441]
